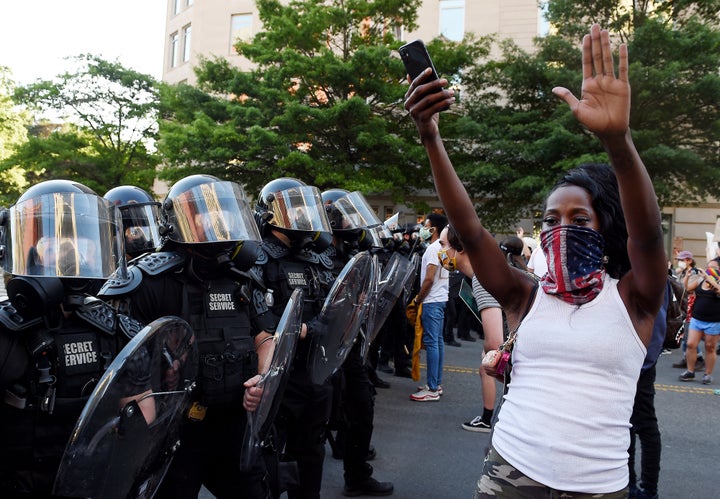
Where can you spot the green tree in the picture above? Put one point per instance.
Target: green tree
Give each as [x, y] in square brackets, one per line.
[103, 123]
[517, 138]
[324, 102]
[13, 132]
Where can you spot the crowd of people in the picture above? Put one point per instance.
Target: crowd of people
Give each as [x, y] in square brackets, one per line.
[88, 276]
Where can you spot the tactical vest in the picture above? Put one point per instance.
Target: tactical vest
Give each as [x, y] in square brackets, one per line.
[57, 370]
[218, 310]
[285, 271]
[219, 316]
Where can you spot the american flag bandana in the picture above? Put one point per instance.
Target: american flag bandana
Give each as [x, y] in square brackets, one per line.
[574, 256]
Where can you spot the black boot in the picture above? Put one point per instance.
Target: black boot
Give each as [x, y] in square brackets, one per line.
[375, 379]
[369, 487]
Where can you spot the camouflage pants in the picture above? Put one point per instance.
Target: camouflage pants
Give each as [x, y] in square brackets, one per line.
[500, 479]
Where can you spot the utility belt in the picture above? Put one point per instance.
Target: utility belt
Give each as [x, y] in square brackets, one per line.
[224, 369]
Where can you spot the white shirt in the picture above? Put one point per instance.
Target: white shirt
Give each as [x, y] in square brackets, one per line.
[440, 287]
[565, 421]
[538, 262]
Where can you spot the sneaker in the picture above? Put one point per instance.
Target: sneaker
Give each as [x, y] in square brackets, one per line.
[687, 376]
[681, 364]
[369, 487]
[666, 351]
[425, 396]
[707, 379]
[477, 424]
[425, 387]
[700, 364]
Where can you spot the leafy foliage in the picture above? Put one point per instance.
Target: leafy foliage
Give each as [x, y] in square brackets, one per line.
[522, 138]
[13, 131]
[108, 122]
[323, 102]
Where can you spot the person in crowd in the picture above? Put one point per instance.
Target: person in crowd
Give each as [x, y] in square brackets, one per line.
[53, 350]
[513, 248]
[467, 321]
[452, 310]
[537, 263]
[606, 274]
[433, 296]
[452, 256]
[690, 277]
[704, 324]
[643, 419]
[203, 274]
[351, 219]
[296, 231]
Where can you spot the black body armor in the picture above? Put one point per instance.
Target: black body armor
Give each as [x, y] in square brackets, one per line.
[46, 376]
[284, 271]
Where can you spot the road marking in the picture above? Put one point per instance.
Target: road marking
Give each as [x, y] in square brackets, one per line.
[698, 390]
[684, 389]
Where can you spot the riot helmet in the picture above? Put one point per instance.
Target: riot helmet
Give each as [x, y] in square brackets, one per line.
[296, 210]
[140, 217]
[62, 239]
[352, 218]
[214, 217]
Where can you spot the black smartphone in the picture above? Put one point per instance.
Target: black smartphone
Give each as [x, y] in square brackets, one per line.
[416, 59]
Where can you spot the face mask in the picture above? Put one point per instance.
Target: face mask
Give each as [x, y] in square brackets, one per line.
[682, 265]
[575, 258]
[447, 262]
[425, 233]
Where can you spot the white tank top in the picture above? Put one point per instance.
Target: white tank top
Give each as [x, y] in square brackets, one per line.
[566, 417]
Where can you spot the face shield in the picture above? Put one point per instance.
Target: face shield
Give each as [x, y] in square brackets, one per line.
[298, 209]
[66, 234]
[355, 213]
[141, 224]
[211, 213]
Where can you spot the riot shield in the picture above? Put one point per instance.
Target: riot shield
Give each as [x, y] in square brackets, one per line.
[415, 261]
[127, 433]
[391, 285]
[343, 312]
[273, 381]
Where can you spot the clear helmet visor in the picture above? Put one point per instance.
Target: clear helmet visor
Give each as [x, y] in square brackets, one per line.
[380, 236]
[66, 234]
[211, 213]
[355, 213]
[141, 224]
[299, 209]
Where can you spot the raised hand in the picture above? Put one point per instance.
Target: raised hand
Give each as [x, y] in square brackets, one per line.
[604, 104]
[424, 102]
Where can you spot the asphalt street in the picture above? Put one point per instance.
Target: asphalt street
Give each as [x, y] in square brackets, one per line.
[423, 450]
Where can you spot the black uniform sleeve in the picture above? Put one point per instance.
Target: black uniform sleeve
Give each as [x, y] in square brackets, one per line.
[261, 316]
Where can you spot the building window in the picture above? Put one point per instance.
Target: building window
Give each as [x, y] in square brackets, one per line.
[543, 24]
[174, 49]
[240, 29]
[187, 36]
[190, 2]
[176, 7]
[452, 19]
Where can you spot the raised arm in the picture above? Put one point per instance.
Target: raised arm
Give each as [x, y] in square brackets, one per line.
[488, 262]
[604, 109]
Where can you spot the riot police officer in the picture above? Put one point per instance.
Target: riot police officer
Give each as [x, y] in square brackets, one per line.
[62, 241]
[205, 275]
[355, 228]
[140, 217]
[295, 230]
